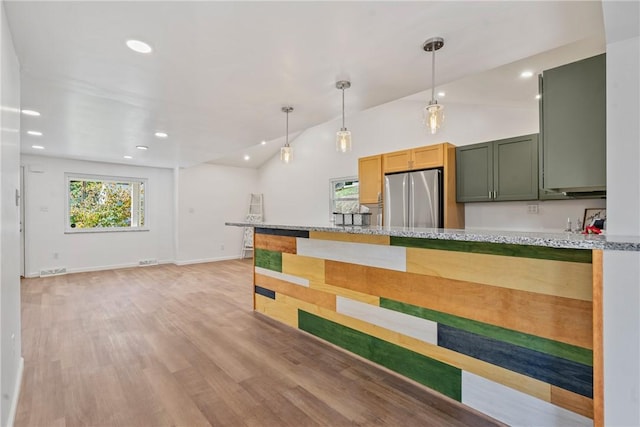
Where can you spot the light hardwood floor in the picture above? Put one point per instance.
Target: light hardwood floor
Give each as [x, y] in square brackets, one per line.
[180, 346]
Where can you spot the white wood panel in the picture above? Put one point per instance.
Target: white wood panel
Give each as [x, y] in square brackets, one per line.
[389, 257]
[283, 276]
[415, 327]
[514, 407]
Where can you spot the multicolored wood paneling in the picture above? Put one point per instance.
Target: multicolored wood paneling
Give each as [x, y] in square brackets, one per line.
[506, 329]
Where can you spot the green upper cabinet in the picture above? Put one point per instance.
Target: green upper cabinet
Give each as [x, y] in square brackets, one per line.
[501, 170]
[573, 126]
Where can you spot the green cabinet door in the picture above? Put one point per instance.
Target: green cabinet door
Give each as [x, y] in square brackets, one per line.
[501, 170]
[573, 125]
[474, 172]
[515, 168]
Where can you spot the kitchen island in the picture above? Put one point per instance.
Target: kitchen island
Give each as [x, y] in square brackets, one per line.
[507, 323]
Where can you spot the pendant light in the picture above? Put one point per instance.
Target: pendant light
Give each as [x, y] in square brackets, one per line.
[286, 152]
[343, 136]
[434, 112]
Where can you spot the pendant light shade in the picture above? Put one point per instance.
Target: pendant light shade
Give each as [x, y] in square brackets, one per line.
[343, 136]
[286, 152]
[434, 112]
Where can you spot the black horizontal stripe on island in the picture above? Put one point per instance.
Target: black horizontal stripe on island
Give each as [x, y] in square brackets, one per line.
[265, 292]
[563, 373]
[283, 232]
[504, 249]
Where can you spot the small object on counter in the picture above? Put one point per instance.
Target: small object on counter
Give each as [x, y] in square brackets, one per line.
[364, 209]
[592, 229]
[569, 229]
[578, 228]
[352, 218]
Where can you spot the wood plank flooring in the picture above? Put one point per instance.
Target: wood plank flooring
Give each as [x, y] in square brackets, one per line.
[181, 346]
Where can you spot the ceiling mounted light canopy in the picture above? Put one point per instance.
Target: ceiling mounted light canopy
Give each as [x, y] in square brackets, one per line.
[286, 152]
[343, 136]
[434, 112]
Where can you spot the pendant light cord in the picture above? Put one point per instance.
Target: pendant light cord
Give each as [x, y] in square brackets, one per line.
[343, 108]
[287, 134]
[433, 74]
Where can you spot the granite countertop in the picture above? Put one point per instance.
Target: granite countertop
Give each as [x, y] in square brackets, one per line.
[553, 240]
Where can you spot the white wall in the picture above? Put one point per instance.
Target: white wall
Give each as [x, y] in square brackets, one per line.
[622, 269]
[299, 191]
[10, 334]
[208, 196]
[47, 245]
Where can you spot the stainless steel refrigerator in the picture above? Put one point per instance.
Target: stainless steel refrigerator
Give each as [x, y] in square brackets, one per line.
[414, 199]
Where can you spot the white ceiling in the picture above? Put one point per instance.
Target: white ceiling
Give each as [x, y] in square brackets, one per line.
[221, 71]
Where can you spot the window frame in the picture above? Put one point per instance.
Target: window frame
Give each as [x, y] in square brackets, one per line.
[332, 199]
[71, 176]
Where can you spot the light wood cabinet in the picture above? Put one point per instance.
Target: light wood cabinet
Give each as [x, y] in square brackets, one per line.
[413, 159]
[370, 178]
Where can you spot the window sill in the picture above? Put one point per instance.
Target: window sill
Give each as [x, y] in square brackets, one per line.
[105, 230]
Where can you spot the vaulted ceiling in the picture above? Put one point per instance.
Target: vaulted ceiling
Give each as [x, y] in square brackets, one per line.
[220, 71]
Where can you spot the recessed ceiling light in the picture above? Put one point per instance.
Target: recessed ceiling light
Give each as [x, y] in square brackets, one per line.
[30, 113]
[142, 147]
[37, 147]
[246, 157]
[139, 46]
[263, 142]
[161, 134]
[441, 94]
[538, 96]
[526, 74]
[34, 133]
[128, 157]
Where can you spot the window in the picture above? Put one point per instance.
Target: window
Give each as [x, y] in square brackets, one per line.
[100, 203]
[344, 195]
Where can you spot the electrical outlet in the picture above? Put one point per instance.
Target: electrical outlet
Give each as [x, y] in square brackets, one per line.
[56, 255]
[222, 247]
[532, 208]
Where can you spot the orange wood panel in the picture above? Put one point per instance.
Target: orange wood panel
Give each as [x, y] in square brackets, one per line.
[557, 318]
[373, 239]
[313, 296]
[598, 348]
[370, 178]
[275, 243]
[572, 401]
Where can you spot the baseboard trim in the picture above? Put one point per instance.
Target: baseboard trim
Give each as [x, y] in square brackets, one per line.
[203, 260]
[16, 394]
[131, 265]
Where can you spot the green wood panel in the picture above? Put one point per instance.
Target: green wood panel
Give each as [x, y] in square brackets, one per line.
[434, 374]
[543, 345]
[524, 251]
[268, 259]
[474, 172]
[515, 168]
[574, 125]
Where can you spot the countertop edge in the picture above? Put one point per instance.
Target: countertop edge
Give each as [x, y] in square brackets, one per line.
[551, 240]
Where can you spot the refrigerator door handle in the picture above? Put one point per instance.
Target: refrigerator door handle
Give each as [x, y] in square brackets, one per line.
[412, 188]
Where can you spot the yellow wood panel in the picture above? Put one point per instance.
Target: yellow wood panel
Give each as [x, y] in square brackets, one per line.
[598, 345]
[453, 211]
[430, 156]
[284, 313]
[348, 237]
[275, 243]
[303, 266]
[557, 318]
[560, 278]
[309, 295]
[495, 373]
[572, 401]
[396, 161]
[347, 293]
[370, 178]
